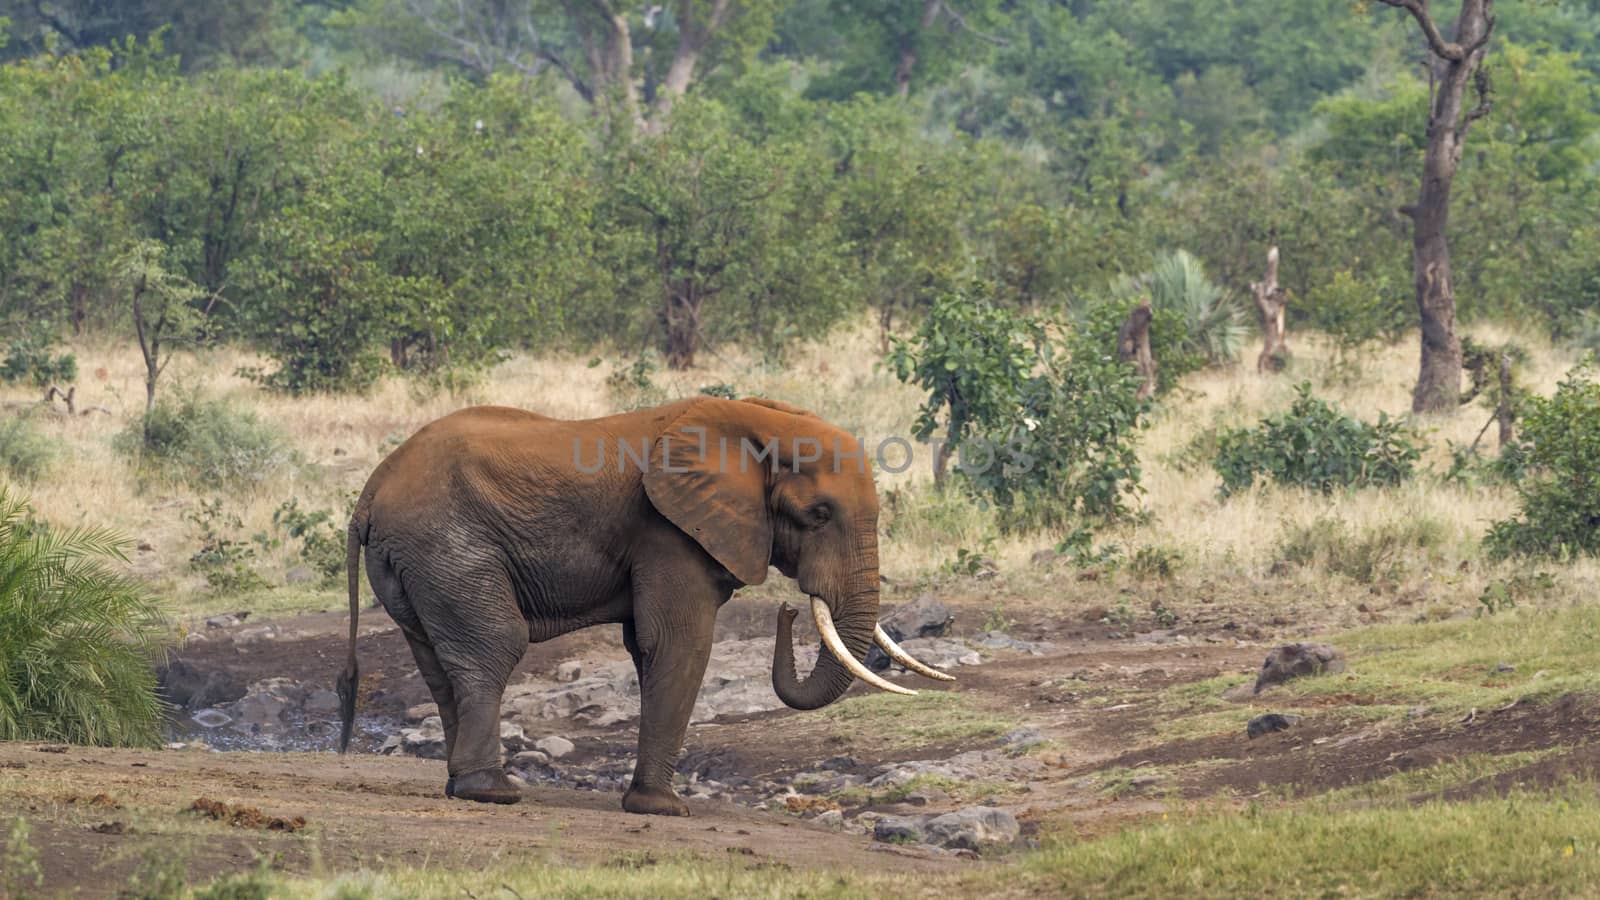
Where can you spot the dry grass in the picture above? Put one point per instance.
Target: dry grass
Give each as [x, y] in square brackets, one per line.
[339, 439]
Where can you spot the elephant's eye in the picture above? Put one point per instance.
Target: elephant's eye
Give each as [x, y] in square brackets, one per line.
[820, 514]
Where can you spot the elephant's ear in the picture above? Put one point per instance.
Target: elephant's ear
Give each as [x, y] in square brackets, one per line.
[695, 480]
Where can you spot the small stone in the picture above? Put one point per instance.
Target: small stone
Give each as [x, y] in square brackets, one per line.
[421, 711]
[529, 759]
[1269, 723]
[1504, 668]
[146, 547]
[511, 737]
[832, 818]
[211, 718]
[556, 747]
[925, 796]
[839, 763]
[569, 671]
[227, 620]
[897, 830]
[1022, 738]
[970, 659]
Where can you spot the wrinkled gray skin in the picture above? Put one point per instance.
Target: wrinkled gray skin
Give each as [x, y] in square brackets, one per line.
[482, 534]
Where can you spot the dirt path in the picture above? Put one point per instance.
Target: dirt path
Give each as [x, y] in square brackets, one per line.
[362, 811]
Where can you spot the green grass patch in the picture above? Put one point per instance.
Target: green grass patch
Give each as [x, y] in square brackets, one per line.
[625, 875]
[1523, 845]
[962, 791]
[931, 717]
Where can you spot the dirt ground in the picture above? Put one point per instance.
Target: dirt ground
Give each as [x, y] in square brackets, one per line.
[100, 818]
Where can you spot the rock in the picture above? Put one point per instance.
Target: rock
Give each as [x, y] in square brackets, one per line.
[897, 830]
[1269, 723]
[146, 547]
[322, 703]
[1504, 668]
[511, 737]
[299, 575]
[530, 759]
[187, 687]
[426, 740]
[923, 617]
[970, 659]
[421, 711]
[832, 818]
[1291, 661]
[211, 718]
[1019, 739]
[839, 763]
[973, 828]
[555, 747]
[255, 635]
[925, 796]
[262, 708]
[390, 744]
[568, 671]
[227, 620]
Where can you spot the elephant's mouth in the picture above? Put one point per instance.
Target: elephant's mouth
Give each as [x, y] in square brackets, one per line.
[835, 645]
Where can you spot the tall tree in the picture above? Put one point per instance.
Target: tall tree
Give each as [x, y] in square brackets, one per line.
[1452, 65]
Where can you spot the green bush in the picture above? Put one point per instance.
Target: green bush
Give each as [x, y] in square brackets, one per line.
[205, 442]
[76, 638]
[1212, 320]
[223, 558]
[322, 540]
[25, 453]
[1314, 445]
[30, 358]
[1560, 494]
[1100, 324]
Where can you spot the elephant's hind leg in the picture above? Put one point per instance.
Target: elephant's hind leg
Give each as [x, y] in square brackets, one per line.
[433, 675]
[477, 645]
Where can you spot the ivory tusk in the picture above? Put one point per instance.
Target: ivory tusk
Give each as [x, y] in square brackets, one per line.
[899, 655]
[835, 645]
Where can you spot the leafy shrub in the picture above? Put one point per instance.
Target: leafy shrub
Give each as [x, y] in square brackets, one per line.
[1045, 436]
[30, 357]
[1560, 496]
[206, 443]
[223, 559]
[972, 357]
[1359, 310]
[76, 638]
[25, 453]
[1068, 450]
[322, 541]
[1169, 338]
[1150, 562]
[1213, 320]
[1314, 445]
[633, 386]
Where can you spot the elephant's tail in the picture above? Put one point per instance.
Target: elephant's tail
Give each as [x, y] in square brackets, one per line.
[350, 678]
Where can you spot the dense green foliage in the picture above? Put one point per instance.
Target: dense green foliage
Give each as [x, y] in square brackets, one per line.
[1560, 492]
[1313, 445]
[25, 453]
[76, 638]
[1044, 429]
[368, 186]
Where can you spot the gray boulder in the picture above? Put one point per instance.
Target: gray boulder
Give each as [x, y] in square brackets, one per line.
[973, 828]
[1297, 660]
[554, 747]
[923, 617]
[897, 830]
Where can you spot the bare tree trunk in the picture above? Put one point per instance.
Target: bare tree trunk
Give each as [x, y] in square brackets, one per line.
[1271, 301]
[1133, 345]
[682, 321]
[150, 348]
[1452, 65]
[908, 48]
[1505, 411]
[68, 396]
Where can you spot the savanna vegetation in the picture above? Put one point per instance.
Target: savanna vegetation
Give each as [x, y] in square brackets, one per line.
[247, 247]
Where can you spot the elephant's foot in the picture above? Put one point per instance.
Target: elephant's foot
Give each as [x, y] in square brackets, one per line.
[653, 801]
[484, 786]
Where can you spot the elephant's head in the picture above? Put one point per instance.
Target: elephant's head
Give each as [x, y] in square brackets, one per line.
[759, 483]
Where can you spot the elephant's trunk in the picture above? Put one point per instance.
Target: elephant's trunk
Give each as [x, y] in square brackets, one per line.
[855, 618]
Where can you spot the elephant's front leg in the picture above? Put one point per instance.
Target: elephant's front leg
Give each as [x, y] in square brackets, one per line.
[670, 643]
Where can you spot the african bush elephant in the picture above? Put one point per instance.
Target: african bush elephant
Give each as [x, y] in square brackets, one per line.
[494, 527]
